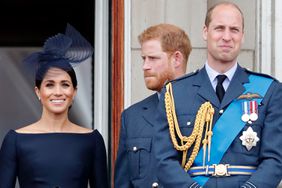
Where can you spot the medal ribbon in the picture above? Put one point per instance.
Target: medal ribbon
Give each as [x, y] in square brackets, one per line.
[245, 117]
[253, 110]
[245, 107]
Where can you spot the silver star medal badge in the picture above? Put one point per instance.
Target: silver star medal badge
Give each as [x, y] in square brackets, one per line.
[249, 138]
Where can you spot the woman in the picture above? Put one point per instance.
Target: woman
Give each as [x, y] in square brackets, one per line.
[54, 152]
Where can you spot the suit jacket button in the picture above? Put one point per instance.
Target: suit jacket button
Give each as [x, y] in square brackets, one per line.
[155, 185]
[221, 111]
[134, 148]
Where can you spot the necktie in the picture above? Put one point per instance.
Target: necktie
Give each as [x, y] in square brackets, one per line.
[219, 87]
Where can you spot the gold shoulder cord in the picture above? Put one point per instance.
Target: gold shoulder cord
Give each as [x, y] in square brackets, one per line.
[203, 121]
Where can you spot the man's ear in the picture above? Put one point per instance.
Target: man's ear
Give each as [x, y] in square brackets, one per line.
[177, 59]
[243, 38]
[205, 33]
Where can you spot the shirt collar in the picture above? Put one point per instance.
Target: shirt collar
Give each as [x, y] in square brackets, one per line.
[213, 73]
[159, 95]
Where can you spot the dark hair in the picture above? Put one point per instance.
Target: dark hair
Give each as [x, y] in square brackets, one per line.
[63, 65]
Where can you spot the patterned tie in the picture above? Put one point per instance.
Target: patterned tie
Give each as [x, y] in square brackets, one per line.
[219, 87]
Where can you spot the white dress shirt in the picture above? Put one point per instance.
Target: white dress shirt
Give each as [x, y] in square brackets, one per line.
[213, 73]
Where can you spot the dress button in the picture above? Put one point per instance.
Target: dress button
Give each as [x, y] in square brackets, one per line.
[188, 123]
[134, 148]
[155, 185]
[221, 111]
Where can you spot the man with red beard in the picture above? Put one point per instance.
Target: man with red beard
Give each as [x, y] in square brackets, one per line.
[165, 49]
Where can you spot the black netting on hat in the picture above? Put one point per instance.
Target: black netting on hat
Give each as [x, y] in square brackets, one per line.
[61, 51]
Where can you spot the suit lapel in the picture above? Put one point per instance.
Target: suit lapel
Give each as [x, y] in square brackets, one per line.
[235, 88]
[149, 109]
[205, 88]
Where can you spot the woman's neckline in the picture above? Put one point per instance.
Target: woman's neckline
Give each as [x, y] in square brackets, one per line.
[49, 133]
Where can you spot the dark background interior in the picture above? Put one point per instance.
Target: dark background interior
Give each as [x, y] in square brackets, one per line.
[30, 22]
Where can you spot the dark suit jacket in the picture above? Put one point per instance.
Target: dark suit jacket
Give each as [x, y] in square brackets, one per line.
[135, 164]
[193, 90]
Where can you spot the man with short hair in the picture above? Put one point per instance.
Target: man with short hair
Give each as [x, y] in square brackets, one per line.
[165, 49]
[221, 126]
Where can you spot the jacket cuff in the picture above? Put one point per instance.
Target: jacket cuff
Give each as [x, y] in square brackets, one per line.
[195, 185]
[248, 184]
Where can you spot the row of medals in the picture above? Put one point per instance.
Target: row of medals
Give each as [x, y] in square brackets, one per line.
[249, 137]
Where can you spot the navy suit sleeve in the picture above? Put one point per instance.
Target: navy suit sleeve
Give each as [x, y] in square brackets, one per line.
[8, 162]
[269, 172]
[122, 179]
[99, 177]
[170, 172]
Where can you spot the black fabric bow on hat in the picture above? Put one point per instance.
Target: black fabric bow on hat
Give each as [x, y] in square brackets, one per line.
[67, 49]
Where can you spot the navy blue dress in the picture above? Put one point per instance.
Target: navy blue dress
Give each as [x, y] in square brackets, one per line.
[53, 160]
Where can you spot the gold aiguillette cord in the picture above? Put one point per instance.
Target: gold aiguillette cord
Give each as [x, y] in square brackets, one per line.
[203, 121]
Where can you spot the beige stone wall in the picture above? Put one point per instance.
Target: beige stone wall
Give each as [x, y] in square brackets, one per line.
[189, 15]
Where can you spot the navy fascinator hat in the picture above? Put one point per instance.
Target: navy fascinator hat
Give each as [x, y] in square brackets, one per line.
[61, 51]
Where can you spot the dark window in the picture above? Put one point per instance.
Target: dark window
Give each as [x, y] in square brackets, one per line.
[30, 22]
